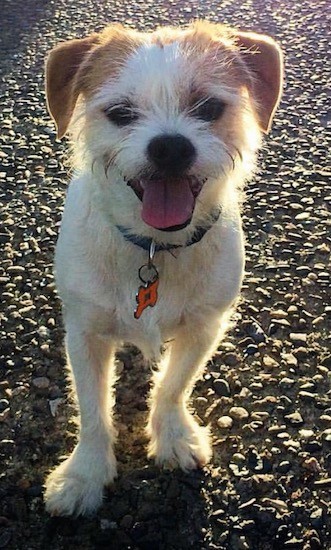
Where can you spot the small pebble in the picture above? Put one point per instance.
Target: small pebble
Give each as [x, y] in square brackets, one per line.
[41, 382]
[326, 435]
[295, 419]
[323, 483]
[231, 359]
[298, 337]
[312, 465]
[238, 413]
[280, 505]
[252, 349]
[225, 422]
[4, 404]
[222, 387]
[290, 359]
[306, 434]
[269, 362]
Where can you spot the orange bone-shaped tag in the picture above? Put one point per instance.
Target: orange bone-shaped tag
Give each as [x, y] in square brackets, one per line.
[146, 297]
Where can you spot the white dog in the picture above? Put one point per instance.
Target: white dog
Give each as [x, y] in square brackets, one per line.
[166, 126]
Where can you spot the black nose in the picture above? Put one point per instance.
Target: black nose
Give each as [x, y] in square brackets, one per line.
[172, 153]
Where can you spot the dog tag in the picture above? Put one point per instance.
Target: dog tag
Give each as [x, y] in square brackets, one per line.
[147, 292]
[146, 297]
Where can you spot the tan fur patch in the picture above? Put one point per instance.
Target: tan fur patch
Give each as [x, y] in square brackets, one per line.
[115, 44]
[81, 66]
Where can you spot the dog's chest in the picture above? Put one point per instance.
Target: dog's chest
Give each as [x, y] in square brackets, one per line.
[174, 285]
[206, 276]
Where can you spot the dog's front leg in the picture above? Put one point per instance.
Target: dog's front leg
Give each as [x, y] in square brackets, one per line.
[76, 486]
[175, 437]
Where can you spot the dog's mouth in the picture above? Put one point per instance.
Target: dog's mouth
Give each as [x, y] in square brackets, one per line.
[167, 203]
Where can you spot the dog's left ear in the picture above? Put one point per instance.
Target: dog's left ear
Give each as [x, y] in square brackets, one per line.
[264, 58]
[62, 66]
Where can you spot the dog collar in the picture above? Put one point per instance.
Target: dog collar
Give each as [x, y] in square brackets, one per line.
[146, 242]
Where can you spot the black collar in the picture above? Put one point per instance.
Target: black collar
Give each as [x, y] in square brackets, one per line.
[145, 242]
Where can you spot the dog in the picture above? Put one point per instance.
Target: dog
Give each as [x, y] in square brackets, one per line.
[166, 127]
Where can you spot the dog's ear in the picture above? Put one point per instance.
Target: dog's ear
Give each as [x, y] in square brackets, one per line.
[62, 66]
[264, 59]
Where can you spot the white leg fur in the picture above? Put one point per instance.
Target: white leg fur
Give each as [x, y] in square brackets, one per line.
[76, 486]
[175, 437]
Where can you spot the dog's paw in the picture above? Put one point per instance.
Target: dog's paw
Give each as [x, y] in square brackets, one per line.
[76, 486]
[176, 440]
[69, 494]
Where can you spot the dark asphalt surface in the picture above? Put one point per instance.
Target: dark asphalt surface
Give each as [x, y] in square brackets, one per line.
[268, 486]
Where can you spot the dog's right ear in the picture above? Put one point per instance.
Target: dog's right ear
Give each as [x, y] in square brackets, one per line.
[62, 90]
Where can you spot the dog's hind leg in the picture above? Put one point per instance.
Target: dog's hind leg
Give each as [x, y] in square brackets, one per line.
[76, 486]
[175, 437]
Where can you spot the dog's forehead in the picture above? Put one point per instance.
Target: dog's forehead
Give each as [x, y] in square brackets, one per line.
[154, 60]
[154, 68]
[165, 68]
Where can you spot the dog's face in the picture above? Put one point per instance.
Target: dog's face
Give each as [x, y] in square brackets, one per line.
[169, 113]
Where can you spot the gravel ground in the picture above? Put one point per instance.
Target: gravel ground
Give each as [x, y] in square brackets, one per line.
[266, 393]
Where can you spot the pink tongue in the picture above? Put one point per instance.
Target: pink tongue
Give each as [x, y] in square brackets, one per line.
[167, 203]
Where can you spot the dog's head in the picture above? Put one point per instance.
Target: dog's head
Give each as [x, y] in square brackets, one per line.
[169, 114]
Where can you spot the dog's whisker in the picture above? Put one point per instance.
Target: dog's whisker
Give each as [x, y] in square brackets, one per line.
[110, 160]
[94, 161]
[108, 165]
[79, 134]
[231, 157]
[198, 104]
[238, 152]
[78, 117]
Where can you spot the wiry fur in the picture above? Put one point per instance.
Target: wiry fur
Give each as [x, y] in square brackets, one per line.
[96, 268]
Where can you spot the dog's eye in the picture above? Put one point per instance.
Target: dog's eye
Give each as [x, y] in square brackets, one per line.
[121, 115]
[210, 110]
